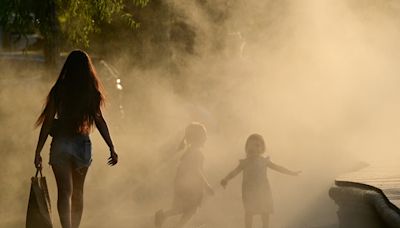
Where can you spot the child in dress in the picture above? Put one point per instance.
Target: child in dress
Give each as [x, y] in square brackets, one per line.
[190, 182]
[256, 191]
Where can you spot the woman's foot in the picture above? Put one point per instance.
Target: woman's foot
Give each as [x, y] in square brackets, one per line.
[159, 218]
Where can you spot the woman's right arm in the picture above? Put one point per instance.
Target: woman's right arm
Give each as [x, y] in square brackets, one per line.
[104, 132]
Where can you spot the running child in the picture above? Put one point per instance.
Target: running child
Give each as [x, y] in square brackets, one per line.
[190, 182]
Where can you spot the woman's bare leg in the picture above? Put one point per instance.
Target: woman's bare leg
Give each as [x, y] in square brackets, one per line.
[63, 175]
[78, 180]
[248, 220]
[265, 220]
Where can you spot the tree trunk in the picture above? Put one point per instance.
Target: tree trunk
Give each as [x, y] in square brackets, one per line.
[51, 36]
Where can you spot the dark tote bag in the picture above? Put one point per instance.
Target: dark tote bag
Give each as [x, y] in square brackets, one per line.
[39, 210]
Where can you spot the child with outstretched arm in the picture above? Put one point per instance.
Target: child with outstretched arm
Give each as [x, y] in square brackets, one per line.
[256, 191]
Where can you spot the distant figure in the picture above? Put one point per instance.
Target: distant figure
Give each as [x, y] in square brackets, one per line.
[256, 191]
[73, 106]
[190, 182]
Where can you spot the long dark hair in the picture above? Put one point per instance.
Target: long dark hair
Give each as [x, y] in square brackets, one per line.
[77, 94]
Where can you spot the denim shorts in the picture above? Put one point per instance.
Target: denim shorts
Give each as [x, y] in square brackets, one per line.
[71, 150]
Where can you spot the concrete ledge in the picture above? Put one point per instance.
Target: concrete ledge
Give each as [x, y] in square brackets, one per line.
[363, 206]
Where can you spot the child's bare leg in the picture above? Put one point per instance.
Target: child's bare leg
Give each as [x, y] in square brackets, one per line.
[248, 220]
[161, 216]
[186, 216]
[265, 220]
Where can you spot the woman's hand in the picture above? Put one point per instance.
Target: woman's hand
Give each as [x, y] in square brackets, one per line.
[38, 161]
[113, 159]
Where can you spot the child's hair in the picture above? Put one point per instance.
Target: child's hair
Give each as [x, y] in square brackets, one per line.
[252, 138]
[195, 133]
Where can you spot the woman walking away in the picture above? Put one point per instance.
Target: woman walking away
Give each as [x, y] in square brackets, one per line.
[190, 182]
[256, 192]
[73, 106]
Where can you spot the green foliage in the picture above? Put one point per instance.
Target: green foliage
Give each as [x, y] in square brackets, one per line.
[17, 16]
[141, 3]
[79, 18]
[76, 19]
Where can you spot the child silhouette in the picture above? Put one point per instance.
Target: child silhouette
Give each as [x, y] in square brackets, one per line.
[256, 191]
[190, 182]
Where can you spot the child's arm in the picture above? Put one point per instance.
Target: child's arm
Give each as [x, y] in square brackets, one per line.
[207, 185]
[231, 175]
[282, 169]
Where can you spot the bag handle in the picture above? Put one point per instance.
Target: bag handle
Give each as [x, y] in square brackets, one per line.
[38, 171]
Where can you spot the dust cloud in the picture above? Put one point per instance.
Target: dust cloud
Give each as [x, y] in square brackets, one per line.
[318, 79]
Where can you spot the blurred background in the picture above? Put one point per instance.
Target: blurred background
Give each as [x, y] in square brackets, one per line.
[318, 79]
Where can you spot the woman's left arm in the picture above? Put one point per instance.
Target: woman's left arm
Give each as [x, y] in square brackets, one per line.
[44, 132]
[282, 169]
